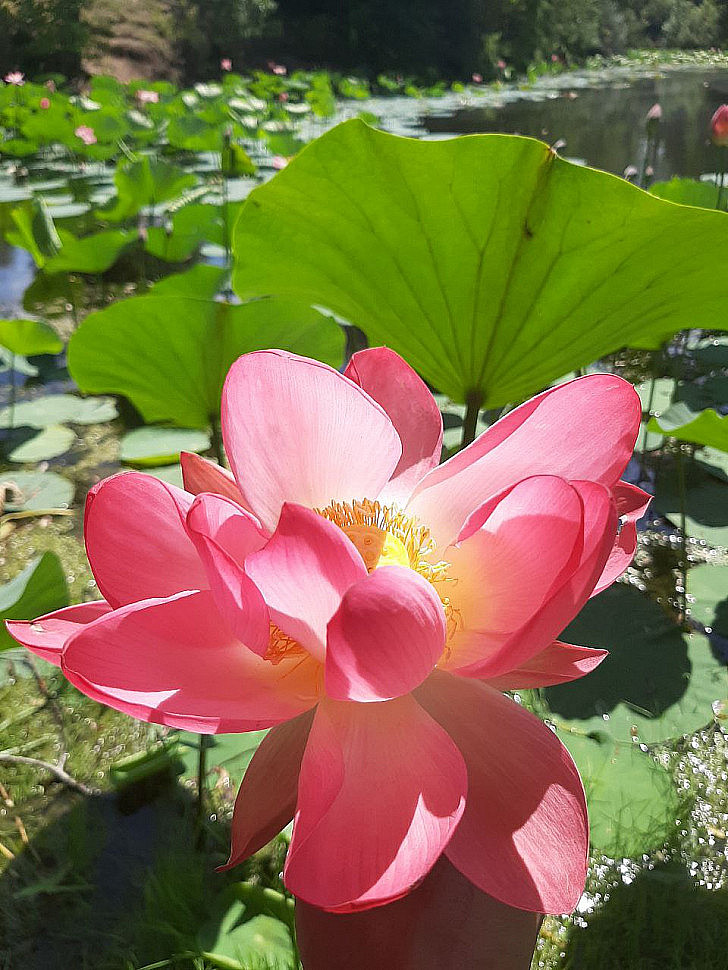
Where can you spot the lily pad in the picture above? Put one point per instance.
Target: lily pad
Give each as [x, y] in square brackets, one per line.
[92, 254]
[491, 264]
[701, 428]
[40, 588]
[657, 682]
[706, 502]
[51, 441]
[160, 446]
[36, 491]
[53, 409]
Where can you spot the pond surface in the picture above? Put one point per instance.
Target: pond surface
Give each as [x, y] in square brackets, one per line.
[601, 117]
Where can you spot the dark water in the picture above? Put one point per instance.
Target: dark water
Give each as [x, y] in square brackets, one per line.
[605, 126]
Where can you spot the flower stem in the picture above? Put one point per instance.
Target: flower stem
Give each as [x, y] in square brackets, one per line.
[721, 182]
[683, 598]
[203, 745]
[473, 400]
[216, 444]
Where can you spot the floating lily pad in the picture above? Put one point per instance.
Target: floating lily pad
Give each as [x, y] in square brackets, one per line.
[706, 502]
[161, 446]
[40, 588]
[36, 491]
[55, 409]
[51, 441]
[701, 428]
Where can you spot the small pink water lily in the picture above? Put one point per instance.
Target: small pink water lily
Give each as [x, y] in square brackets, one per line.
[369, 606]
[15, 77]
[86, 134]
[44, 103]
[226, 64]
[278, 69]
[147, 97]
[719, 126]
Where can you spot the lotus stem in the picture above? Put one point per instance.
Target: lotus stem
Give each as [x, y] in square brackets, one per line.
[473, 400]
[683, 597]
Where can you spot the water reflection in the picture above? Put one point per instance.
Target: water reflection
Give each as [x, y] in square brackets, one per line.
[17, 270]
[606, 125]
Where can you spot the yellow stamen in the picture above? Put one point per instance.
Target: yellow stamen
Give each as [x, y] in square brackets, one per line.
[282, 647]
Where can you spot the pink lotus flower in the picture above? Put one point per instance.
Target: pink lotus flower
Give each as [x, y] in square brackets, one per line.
[226, 64]
[654, 114]
[86, 134]
[51, 85]
[719, 126]
[501, 65]
[147, 97]
[477, 78]
[278, 69]
[279, 162]
[44, 103]
[15, 77]
[369, 606]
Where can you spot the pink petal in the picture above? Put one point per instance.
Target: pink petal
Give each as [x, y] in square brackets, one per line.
[445, 923]
[585, 429]
[381, 790]
[136, 539]
[303, 572]
[385, 638]
[632, 504]
[202, 475]
[173, 661]
[225, 535]
[296, 430]
[47, 635]
[266, 801]
[504, 573]
[411, 409]
[559, 663]
[524, 837]
[498, 655]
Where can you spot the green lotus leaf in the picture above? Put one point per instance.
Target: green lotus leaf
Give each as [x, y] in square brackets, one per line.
[703, 428]
[689, 192]
[35, 491]
[40, 588]
[155, 445]
[633, 801]
[145, 182]
[657, 682]
[92, 254]
[28, 337]
[169, 355]
[58, 409]
[34, 230]
[708, 587]
[491, 264]
[49, 442]
[706, 501]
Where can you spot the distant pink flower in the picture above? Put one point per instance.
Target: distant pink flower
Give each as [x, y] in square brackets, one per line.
[555, 58]
[654, 114]
[147, 97]
[477, 78]
[226, 64]
[279, 162]
[45, 103]
[86, 134]
[51, 85]
[277, 68]
[501, 65]
[331, 589]
[283, 96]
[719, 126]
[631, 172]
[15, 77]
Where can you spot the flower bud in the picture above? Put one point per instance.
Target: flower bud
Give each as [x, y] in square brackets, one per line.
[719, 126]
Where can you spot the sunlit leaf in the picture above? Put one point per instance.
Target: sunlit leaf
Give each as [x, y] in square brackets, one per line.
[29, 337]
[701, 428]
[491, 264]
[38, 589]
[92, 254]
[708, 586]
[169, 355]
[145, 182]
[50, 442]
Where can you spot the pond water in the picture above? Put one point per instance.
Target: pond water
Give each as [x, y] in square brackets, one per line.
[601, 117]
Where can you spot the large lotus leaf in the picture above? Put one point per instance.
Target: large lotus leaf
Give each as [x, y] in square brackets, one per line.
[633, 801]
[657, 682]
[201, 281]
[169, 355]
[92, 254]
[145, 182]
[38, 589]
[701, 428]
[34, 230]
[708, 587]
[689, 192]
[191, 226]
[490, 263]
[29, 337]
[706, 502]
[193, 134]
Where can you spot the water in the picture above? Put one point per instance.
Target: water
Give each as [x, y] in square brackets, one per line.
[602, 118]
